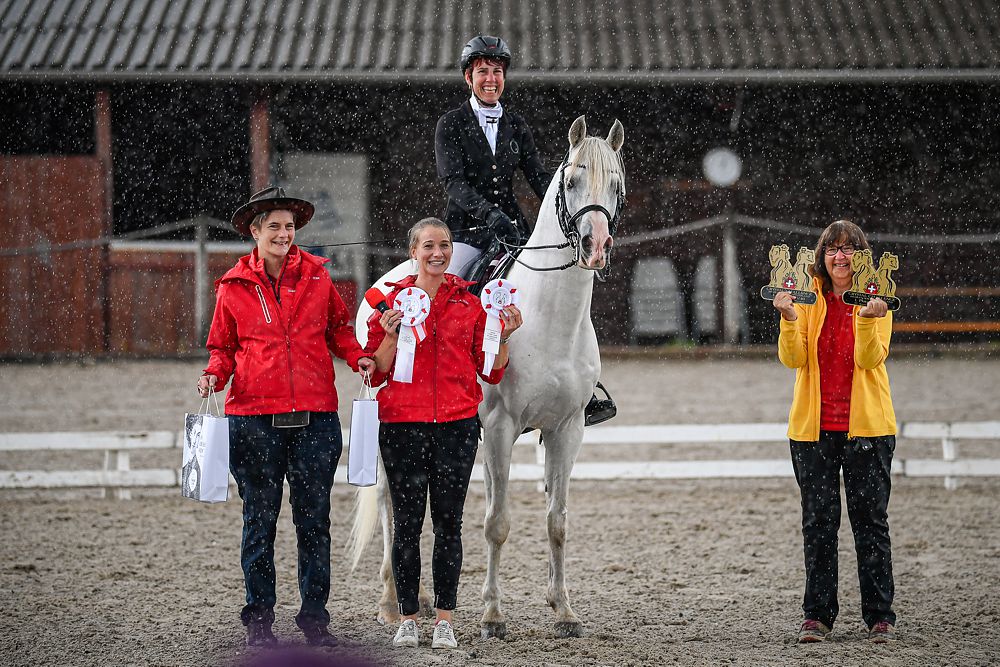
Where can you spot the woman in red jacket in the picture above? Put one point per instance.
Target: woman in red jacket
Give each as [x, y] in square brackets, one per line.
[277, 319]
[429, 430]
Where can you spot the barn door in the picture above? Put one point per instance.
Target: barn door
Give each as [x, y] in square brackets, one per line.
[51, 297]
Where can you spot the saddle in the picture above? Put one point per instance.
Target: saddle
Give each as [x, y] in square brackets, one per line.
[495, 262]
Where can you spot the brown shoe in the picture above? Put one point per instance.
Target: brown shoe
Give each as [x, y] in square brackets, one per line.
[319, 636]
[882, 632]
[812, 631]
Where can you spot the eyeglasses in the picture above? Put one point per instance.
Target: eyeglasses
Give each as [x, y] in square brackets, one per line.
[847, 249]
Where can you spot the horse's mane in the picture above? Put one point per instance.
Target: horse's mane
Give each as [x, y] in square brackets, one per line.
[602, 163]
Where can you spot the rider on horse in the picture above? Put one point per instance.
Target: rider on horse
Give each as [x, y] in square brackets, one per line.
[478, 147]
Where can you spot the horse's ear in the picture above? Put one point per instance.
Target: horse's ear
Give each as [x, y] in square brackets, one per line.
[616, 137]
[577, 131]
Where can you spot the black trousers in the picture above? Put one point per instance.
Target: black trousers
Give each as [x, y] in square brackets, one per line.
[422, 458]
[866, 463]
[261, 457]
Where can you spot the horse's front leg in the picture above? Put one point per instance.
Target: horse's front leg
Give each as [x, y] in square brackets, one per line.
[498, 442]
[561, 450]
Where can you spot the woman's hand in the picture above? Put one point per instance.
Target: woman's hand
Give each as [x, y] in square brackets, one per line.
[206, 384]
[366, 365]
[876, 308]
[783, 303]
[390, 322]
[512, 321]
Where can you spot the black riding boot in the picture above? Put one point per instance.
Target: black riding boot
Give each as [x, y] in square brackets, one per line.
[483, 267]
[599, 409]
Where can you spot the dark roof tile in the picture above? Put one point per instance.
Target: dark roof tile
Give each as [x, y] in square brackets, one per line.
[558, 39]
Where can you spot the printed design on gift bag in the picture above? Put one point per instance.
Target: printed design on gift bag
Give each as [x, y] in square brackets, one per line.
[496, 295]
[415, 306]
[205, 459]
[194, 454]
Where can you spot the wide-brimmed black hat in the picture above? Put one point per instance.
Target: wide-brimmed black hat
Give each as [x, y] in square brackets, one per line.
[271, 199]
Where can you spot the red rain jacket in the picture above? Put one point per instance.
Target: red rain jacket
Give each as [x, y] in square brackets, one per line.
[279, 354]
[446, 362]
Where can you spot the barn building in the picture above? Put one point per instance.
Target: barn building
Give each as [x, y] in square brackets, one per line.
[131, 129]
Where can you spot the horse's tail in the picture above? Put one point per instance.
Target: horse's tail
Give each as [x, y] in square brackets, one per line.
[365, 520]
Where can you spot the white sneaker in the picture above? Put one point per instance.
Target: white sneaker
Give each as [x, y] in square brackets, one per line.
[444, 636]
[408, 636]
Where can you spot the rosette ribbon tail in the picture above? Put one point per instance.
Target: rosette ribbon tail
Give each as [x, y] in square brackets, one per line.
[491, 341]
[406, 347]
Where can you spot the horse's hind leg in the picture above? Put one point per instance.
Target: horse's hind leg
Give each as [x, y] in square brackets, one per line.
[388, 606]
[561, 450]
[498, 442]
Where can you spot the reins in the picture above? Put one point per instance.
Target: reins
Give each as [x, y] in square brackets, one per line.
[567, 225]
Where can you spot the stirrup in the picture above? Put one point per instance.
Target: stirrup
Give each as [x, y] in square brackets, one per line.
[599, 410]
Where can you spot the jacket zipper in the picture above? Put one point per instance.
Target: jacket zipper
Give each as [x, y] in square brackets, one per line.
[263, 304]
[288, 344]
[435, 376]
[291, 375]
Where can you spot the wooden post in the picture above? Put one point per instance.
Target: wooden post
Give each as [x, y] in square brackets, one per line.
[260, 143]
[117, 460]
[200, 282]
[730, 287]
[102, 149]
[949, 451]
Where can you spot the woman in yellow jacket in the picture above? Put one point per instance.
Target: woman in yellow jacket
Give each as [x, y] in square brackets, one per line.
[841, 418]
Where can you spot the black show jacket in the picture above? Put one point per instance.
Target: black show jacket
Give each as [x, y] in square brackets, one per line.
[475, 180]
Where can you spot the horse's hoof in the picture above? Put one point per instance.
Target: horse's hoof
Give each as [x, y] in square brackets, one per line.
[566, 629]
[388, 616]
[494, 629]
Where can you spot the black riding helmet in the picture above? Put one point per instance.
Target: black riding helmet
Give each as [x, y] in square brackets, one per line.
[485, 46]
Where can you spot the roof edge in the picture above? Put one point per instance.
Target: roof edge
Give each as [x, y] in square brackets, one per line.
[759, 76]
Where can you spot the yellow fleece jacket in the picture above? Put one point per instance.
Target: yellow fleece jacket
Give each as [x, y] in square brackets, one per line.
[871, 411]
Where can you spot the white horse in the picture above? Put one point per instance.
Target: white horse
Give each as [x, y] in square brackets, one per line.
[554, 368]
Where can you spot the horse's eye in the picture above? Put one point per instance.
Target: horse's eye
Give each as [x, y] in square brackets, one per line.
[570, 184]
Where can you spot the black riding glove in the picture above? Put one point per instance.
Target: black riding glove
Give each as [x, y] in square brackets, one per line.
[502, 226]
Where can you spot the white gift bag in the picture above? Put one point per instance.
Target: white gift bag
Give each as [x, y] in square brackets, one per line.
[205, 466]
[362, 456]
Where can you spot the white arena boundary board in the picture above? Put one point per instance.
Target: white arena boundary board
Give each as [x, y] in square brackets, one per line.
[117, 474]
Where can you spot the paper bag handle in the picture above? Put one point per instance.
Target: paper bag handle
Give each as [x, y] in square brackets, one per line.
[366, 386]
[205, 408]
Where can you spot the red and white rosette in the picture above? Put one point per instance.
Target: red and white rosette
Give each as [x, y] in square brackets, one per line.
[415, 305]
[497, 295]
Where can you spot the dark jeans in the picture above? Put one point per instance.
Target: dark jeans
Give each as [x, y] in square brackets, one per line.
[419, 457]
[866, 463]
[260, 458]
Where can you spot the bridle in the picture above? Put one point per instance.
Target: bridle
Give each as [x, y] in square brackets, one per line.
[568, 226]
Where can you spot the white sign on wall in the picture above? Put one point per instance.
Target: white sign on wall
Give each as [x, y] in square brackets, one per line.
[337, 184]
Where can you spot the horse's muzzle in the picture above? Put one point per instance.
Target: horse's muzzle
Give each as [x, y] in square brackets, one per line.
[594, 251]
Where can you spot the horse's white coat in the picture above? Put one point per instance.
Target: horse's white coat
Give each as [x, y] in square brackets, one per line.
[554, 367]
